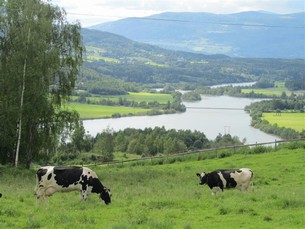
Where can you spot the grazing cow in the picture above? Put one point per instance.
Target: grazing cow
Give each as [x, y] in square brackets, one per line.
[52, 179]
[0, 195]
[220, 179]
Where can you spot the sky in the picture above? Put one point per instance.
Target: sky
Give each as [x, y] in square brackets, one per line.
[92, 12]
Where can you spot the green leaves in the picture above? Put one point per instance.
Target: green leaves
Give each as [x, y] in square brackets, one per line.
[40, 52]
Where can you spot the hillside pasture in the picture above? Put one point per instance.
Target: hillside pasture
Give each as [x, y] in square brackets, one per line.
[294, 121]
[166, 196]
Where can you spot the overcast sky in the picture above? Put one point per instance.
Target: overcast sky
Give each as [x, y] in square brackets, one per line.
[92, 12]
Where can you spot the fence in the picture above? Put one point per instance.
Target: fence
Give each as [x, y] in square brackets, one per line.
[273, 144]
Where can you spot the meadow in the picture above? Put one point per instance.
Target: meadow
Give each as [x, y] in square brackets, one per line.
[271, 91]
[91, 111]
[136, 97]
[294, 121]
[166, 195]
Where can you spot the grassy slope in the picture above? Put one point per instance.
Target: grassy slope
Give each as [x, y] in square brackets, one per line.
[167, 196]
[294, 121]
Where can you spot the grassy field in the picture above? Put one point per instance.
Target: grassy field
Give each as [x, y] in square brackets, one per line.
[294, 121]
[135, 96]
[166, 196]
[90, 111]
[271, 91]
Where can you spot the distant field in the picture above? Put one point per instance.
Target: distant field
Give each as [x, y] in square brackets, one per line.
[95, 54]
[137, 97]
[294, 121]
[90, 111]
[271, 91]
[149, 97]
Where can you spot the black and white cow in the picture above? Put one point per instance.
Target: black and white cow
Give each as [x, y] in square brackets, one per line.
[220, 179]
[52, 179]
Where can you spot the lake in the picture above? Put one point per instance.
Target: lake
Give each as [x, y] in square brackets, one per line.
[204, 116]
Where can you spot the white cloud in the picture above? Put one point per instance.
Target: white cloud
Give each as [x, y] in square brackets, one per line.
[90, 12]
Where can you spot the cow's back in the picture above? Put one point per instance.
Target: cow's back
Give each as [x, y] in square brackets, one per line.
[51, 179]
[66, 177]
[243, 178]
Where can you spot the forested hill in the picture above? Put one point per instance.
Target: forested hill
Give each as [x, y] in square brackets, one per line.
[245, 34]
[115, 57]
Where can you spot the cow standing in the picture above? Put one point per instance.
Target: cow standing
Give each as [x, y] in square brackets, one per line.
[52, 179]
[220, 179]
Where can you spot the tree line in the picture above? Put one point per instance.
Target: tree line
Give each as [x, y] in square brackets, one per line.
[146, 142]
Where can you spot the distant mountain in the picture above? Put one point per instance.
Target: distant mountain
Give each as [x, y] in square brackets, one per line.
[113, 56]
[246, 34]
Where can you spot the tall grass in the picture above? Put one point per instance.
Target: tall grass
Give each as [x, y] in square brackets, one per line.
[167, 196]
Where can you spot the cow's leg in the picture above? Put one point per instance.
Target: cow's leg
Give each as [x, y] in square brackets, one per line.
[245, 187]
[215, 190]
[84, 194]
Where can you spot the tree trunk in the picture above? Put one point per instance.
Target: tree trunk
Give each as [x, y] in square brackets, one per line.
[21, 100]
[20, 116]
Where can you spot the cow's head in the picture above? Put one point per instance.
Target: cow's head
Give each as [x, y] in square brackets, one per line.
[105, 195]
[203, 178]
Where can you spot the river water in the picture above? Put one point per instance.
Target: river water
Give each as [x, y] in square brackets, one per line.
[212, 115]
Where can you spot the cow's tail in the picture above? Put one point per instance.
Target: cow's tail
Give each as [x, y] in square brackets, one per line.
[252, 181]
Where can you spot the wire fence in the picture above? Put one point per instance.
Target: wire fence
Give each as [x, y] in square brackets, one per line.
[199, 151]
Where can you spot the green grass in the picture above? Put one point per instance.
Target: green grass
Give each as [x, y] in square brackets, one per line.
[89, 111]
[149, 97]
[137, 97]
[294, 121]
[133, 96]
[271, 91]
[166, 196]
[95, 54]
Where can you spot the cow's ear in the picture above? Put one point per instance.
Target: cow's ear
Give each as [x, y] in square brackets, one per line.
[198, 174]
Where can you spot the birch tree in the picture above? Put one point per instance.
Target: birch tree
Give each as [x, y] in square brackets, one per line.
[40, 55]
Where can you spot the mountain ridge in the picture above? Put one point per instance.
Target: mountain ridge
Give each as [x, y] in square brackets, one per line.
[244, 34]
[111, 55]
